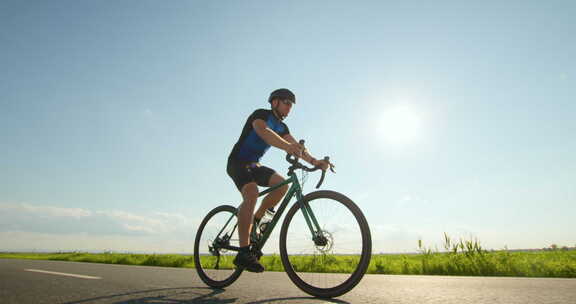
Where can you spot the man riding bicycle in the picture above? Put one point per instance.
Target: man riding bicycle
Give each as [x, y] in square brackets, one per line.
[264, 128]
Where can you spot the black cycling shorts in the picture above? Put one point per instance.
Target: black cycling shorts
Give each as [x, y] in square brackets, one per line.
[243, 173]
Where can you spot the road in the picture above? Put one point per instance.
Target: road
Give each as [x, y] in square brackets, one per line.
[30, 281]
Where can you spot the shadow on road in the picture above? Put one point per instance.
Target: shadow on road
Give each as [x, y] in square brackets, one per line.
[182, 295]
[203, 295]
[311, 299]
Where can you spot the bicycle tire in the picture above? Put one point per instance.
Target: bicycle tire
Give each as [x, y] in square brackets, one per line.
[206, 273]
[358, 271]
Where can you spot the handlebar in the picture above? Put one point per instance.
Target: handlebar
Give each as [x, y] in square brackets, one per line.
[294, 160]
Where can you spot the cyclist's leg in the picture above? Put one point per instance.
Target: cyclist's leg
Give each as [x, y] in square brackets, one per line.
[245, 258]
[246, 211]
[273, 197]
[245, 183]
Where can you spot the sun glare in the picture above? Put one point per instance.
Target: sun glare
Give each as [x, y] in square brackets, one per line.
[401, 125]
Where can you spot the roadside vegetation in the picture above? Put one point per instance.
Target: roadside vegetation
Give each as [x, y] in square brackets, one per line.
[468, 258]
[462, 257]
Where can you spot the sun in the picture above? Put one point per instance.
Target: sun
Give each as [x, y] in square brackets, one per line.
[401, 124]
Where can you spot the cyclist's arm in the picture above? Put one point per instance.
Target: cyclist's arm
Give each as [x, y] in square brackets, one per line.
[268, 135]
[305, 155]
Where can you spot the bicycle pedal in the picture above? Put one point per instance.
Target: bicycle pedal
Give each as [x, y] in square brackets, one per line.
[258, 254]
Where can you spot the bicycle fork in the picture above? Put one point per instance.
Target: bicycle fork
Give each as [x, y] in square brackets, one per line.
[315, 230]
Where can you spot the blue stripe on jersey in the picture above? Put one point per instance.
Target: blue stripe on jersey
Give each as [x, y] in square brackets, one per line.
[254, 147]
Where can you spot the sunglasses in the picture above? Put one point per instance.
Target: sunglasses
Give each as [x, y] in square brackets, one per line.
[286, 101]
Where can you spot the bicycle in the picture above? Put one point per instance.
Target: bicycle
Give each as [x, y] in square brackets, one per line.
[318, 242]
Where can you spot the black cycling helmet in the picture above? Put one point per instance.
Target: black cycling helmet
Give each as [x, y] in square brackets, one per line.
[282, 94]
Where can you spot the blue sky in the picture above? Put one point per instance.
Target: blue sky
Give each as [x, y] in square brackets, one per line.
[116, 117]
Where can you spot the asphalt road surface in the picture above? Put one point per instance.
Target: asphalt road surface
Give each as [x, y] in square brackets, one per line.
[30, 281]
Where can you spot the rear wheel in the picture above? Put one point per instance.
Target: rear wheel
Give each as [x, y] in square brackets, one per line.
[214, 263]
[333, 260]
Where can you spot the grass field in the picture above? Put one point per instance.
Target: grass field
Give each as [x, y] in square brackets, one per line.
[463, 258]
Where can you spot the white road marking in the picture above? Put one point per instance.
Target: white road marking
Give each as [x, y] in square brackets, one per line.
[64, 274]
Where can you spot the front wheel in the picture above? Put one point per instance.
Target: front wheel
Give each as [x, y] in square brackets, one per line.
[331, 260]
[212, 260]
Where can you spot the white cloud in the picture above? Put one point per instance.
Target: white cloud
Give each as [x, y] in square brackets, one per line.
[411, 200]
[149, 223]
[39, 241]
[25, 226]
[46, 210]
[171, 216]
[39, 218]
[139, 228]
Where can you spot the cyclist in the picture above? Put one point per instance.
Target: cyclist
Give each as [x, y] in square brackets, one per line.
[264, 128]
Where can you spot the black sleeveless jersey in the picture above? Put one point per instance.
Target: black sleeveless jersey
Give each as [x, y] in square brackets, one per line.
[250, 147]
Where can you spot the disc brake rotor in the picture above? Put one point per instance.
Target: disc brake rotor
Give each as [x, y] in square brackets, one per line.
[324, 241]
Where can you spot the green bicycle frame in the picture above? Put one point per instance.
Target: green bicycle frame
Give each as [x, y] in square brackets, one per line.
[296, 190]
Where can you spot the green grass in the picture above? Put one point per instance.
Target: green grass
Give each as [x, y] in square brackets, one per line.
[460, 258]
[559, 264]
[167, 260]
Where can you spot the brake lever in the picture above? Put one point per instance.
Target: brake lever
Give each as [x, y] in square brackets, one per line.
[294, 160]
[291, 158]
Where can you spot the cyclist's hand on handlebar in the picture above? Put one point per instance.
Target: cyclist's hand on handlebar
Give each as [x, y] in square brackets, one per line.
[322, 164]
[294, 149]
